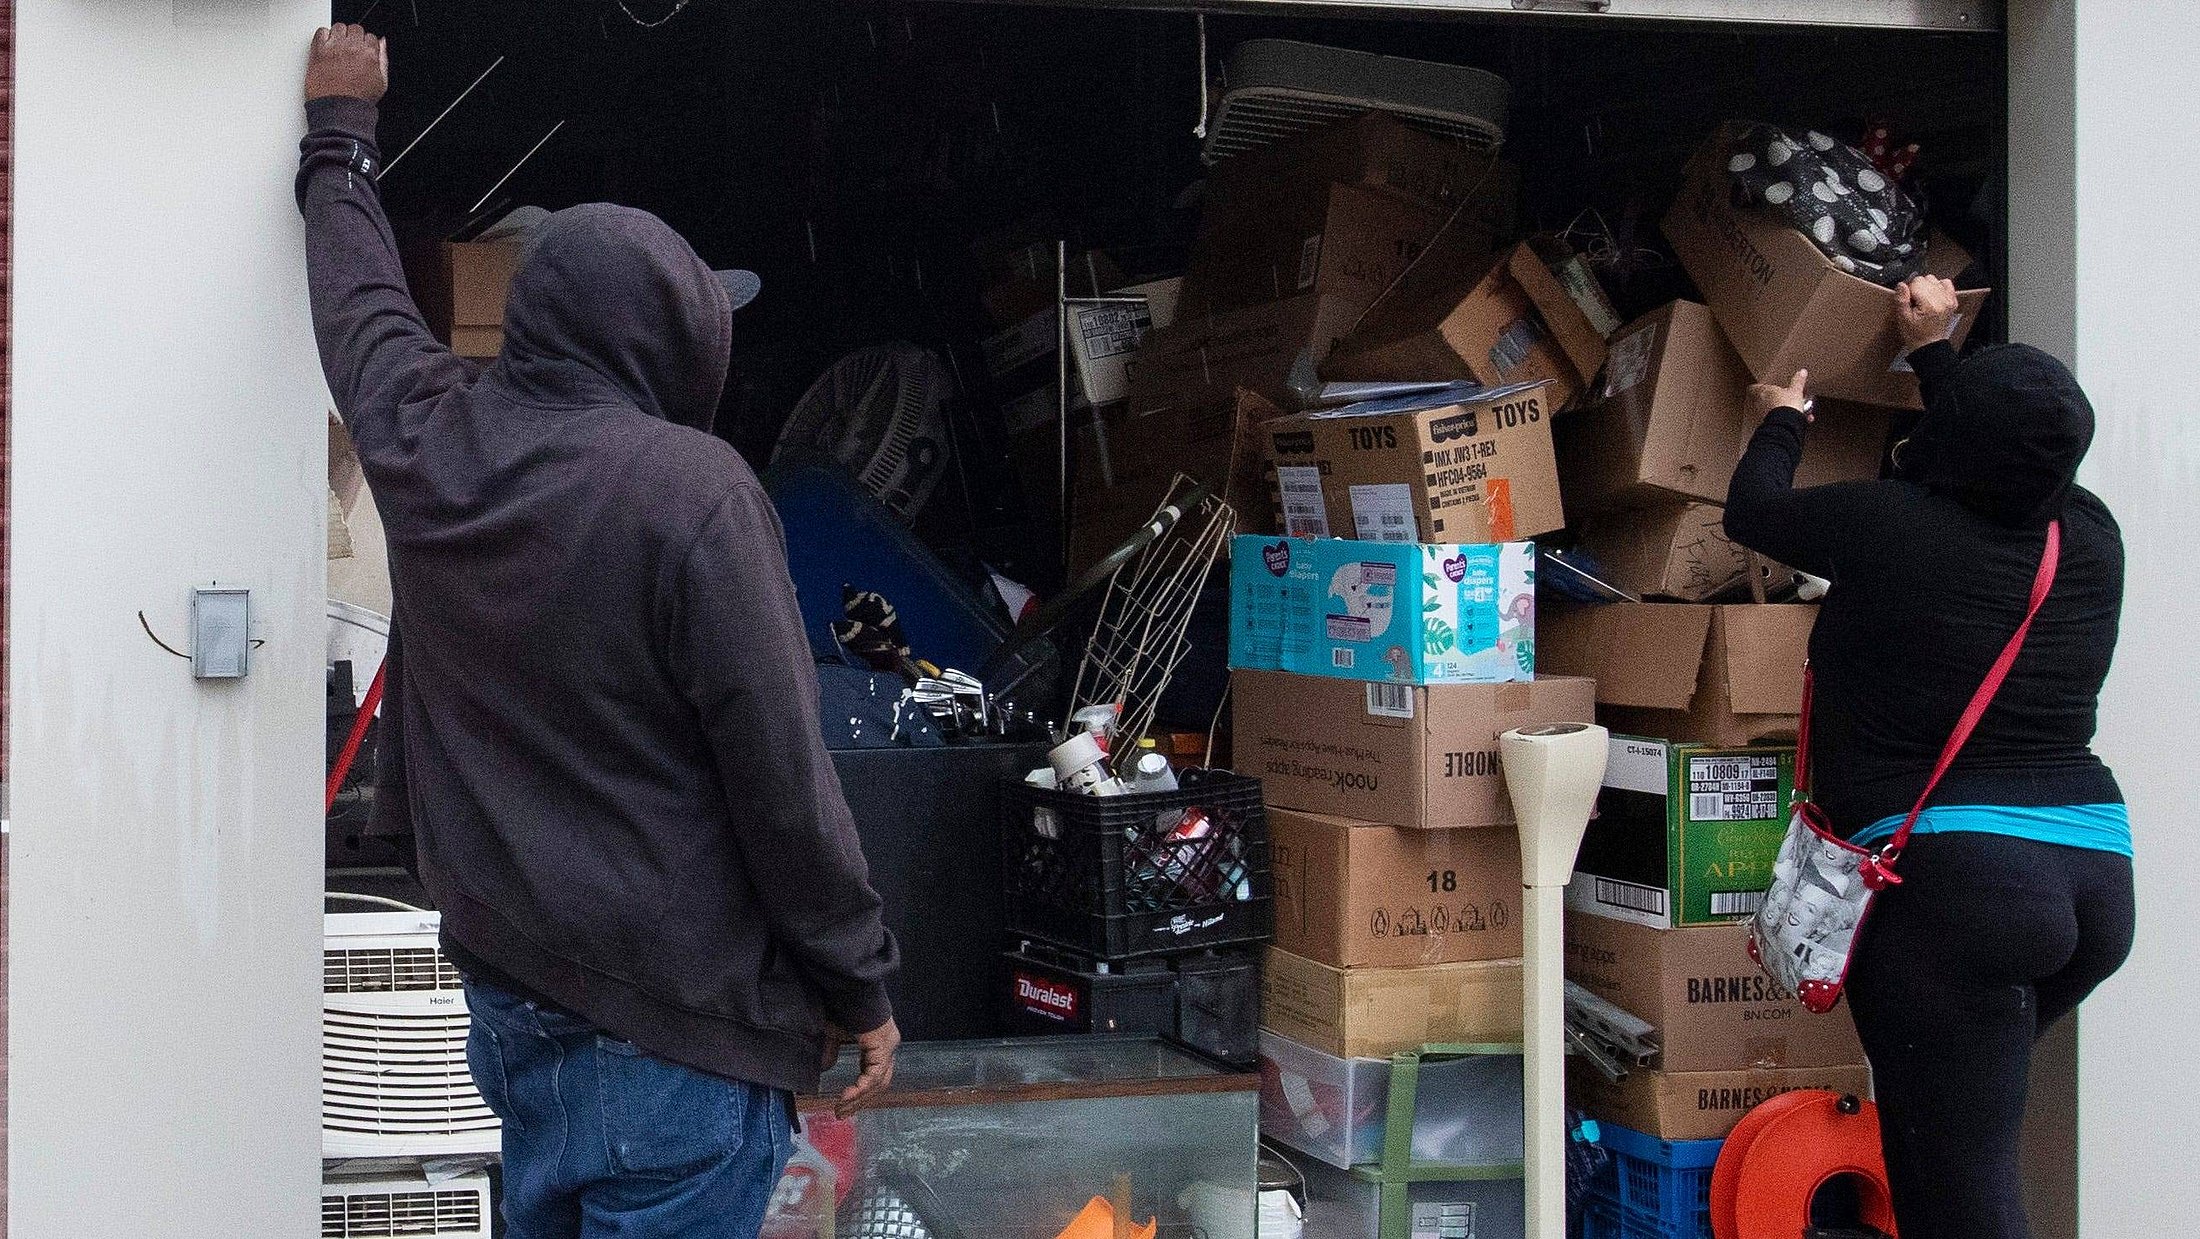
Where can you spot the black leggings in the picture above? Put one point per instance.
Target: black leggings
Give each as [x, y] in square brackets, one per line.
[1988, 941]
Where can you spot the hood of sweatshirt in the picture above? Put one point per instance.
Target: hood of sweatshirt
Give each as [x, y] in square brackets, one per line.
[2003, 436]
[612, 307]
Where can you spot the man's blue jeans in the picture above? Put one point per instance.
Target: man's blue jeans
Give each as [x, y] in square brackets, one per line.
[603, 1141]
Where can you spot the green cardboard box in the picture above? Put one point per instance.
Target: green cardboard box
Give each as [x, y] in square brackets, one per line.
[1684, 834]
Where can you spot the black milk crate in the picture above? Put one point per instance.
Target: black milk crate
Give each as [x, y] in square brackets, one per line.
[1117, 877]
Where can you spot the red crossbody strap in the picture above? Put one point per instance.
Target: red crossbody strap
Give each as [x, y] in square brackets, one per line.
[2044, 581]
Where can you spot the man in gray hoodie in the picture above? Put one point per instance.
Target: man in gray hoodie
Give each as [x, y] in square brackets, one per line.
[603, 713]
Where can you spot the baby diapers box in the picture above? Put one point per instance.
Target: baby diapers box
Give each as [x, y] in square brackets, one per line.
[1401, 613]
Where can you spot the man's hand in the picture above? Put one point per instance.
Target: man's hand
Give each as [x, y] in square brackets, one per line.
[347, 61]
[877, 1047]
[1926, 312]
[1765, 397]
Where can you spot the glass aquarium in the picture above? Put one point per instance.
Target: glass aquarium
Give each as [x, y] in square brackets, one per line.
[1054, 1138]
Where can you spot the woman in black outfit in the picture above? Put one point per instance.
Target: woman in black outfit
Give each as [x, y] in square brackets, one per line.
[2016, 894]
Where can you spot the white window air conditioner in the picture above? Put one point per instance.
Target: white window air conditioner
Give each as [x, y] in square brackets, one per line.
[393, 1043]
[405, 1206]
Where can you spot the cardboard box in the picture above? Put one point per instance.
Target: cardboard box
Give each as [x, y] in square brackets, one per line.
[1016, 271]
[1191, 372]
[1697, 1105]
[1469, 465]
[1376, 1012]
[1672, 422]
[1377, 151]
[1422, 758]
[1784, 304]
[1128, 472]
[1403, 613]
[1729, 674]
[1490, 319]
[1683, 834]
[1339, 240]
[1713, 1008]
[1350, 894]
[1102, 338]
[1677, 550]
[471, 281]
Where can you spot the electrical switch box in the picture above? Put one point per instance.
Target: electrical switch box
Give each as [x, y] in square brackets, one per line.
[221, 633]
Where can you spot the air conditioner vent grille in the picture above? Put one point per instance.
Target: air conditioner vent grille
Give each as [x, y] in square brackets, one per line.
[395, 1215]
[386, 970]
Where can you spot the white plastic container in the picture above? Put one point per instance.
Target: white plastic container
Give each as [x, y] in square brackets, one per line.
[1468, 1112]
[1342, 1205]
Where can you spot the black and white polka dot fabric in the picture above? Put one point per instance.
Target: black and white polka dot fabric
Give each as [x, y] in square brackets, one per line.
[1833, 194]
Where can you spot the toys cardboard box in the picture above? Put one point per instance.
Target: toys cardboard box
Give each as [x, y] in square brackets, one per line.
[1449, 464]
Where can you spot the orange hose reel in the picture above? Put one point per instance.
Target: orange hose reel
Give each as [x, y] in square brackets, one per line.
[1784, 1151]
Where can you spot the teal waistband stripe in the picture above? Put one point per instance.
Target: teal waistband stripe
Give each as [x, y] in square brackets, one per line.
[2096, 827]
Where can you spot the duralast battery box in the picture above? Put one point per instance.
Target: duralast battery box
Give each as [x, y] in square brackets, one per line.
[1684, 834]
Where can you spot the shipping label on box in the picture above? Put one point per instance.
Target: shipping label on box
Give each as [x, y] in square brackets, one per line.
[1351, 895]
[1454, 464]
[1714, 1009]
[1400, 613]
[1684, 834]
[1419, 757]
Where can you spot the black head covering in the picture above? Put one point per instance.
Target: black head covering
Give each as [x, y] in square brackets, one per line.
[2003, 436]
[613, 307]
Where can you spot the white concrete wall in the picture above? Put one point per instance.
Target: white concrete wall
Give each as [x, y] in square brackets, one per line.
[2123, 299]
[168, 432]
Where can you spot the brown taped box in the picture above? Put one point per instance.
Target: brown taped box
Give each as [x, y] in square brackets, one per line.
[1144, 458]
[1192, 370]
[466, 286]
[1353, 895]
[1338, 240]
[1725, 675]
[1697, 1105]
[1482, 470]
[1376, 1012]
[1672, 422]
[1713, 1008]
[1422, 758]
[1377, 151]
[1678, 549]
[1784, 304]
[1463, 314]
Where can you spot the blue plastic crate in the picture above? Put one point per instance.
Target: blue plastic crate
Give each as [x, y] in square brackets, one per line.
[1653, 1189]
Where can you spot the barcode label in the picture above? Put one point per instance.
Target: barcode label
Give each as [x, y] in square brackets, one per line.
[1341, 659]
[1741, 788]
[1736, 903]
[1649, 900]
[1444, 1220]
[1513, 345]
[1384, 513]
[1305, 515]
[1310, 261]
[1389, 700]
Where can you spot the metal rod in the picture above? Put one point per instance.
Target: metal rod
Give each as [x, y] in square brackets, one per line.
[1061, 396]
[392, 164]
[1205, 105]
[1085, 301]
[515, 168]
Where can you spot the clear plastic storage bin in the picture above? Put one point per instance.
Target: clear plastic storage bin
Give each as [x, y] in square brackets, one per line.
[1469, 1112]
[1346, 1204]
[1012, 1139]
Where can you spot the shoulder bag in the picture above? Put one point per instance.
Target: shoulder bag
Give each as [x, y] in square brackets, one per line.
[1823, 885]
